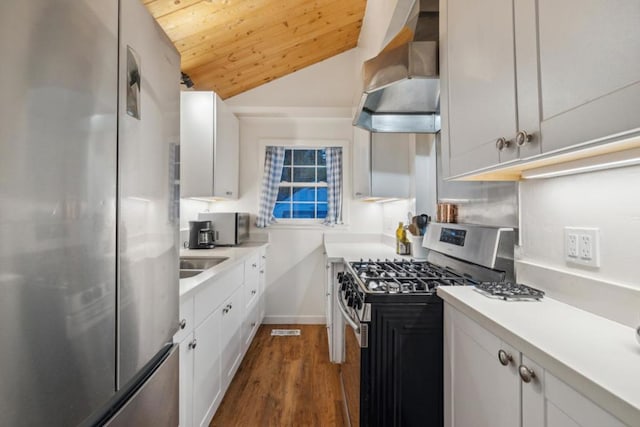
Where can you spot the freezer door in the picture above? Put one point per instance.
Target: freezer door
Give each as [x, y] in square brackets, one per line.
[155, 403]
[148, 200]
[58, 134]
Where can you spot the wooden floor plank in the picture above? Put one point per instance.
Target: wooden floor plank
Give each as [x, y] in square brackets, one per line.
[284, 381]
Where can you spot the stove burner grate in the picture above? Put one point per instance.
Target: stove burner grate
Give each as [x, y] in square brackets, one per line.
[509, 291]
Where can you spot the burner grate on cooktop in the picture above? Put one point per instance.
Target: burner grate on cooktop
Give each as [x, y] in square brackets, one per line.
[405, 277]
[509, 291]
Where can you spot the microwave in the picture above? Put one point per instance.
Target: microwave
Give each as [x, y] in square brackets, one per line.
[229, 228]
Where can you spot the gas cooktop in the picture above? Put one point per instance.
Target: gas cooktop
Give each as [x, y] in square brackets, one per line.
[404, 277]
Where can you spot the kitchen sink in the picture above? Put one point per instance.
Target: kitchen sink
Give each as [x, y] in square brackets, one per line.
[197, 263]
[189, 273]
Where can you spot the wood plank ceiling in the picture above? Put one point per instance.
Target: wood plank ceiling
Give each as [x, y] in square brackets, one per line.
[231, 46]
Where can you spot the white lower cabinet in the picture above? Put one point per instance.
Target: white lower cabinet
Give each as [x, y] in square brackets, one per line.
[231, 321]
[207, 379]
[220, 320]
[489, 383]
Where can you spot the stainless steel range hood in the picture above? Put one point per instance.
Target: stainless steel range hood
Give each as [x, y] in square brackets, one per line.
[402, 84]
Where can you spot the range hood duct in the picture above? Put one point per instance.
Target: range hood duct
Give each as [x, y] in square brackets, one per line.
[402, 84]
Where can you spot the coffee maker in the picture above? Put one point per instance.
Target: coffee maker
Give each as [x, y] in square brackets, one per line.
[200, 235]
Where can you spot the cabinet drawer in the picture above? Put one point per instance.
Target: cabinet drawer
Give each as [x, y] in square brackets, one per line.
[216, 291]
[186, 319]
[251, 325]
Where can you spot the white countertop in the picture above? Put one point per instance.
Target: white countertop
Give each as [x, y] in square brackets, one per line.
[596, 356]
[235, 255]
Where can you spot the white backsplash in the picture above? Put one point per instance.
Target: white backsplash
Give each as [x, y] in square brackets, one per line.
[607, 200]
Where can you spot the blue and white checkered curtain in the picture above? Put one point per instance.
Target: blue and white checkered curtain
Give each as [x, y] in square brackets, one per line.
[273, 161]
[334, 186]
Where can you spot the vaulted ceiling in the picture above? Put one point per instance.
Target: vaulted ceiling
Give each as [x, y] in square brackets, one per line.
[231, 46]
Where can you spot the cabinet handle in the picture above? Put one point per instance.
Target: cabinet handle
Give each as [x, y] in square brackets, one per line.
[253, 292]
[229, 193]
[261, 271]
[504, 357]
[254, 265]
[253, 324]
[183, 323]
[522, 138]
[358, 194]
[193, 344]
[227, 308]
[264, 257]
[502, 143]
[526, 373]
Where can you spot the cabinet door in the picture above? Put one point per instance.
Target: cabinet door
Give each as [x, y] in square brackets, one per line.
[186, 381]
[480, 391]
[549, 402]
[251, 280]
[231, 322]
[589, 70]
[226, 152]
[207, 381]
[391, 165]
[196, 143]
[361, 162]
[262, 284]
[479, 62]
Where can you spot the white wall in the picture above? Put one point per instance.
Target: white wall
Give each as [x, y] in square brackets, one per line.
[608, 200]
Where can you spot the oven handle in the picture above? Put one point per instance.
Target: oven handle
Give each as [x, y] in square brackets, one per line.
[348, 318]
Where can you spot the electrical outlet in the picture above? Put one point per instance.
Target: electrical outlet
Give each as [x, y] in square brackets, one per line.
[572, 245]
[582, 246]
[586, 247]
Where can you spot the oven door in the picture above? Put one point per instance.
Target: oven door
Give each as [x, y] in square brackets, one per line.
[350, 370]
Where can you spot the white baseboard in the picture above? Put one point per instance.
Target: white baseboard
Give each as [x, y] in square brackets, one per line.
[294, 320]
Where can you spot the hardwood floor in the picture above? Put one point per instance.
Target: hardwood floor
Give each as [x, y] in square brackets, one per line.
[284, 381]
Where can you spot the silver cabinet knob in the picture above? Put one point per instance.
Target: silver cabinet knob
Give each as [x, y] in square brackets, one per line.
[183, 323]
[638, 334]
[526, 373]
[229, 193]
[502, 143]
[522, 138]
[261, 271]
[253, 292]
[193, 344]
[504, 357]
[254, 265]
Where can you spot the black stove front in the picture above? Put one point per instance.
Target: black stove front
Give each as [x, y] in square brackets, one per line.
[392, 375]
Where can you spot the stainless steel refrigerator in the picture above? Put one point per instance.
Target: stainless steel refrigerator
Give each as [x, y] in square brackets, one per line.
[89, 134]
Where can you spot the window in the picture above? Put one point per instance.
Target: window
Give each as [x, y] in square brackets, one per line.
[302, 192]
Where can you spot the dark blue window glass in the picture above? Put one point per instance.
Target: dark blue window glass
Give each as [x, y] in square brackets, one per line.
[322, 194]
[322, 210]
[304, 157]
[286, 174]
[287, 157]
[304, 174]
[282, 210]
[284, 194]
[322, 158]
[304, 194]
[304, 210]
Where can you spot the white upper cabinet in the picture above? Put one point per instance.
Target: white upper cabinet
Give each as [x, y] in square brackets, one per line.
[209, 147]
[589, 70]
[382, 164]
[523, 78]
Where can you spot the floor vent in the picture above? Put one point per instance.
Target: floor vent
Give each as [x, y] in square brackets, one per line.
[285, 332]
